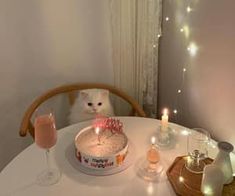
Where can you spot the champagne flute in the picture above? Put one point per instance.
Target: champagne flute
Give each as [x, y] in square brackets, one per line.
[197, 146]
[45, 138]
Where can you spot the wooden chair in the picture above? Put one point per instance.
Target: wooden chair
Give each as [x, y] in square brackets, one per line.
[71, 89]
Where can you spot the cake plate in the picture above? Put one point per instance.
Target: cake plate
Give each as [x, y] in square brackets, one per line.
[127, 162]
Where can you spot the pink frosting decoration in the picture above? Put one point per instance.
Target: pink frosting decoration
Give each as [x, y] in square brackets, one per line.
[107, 123]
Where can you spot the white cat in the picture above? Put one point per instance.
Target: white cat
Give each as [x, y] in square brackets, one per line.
[90, 103]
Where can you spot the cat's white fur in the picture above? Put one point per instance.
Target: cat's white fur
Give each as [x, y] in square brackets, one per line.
[81, 111]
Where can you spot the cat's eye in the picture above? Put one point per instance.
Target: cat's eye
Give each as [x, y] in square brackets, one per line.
[90, 104]
[99, 104]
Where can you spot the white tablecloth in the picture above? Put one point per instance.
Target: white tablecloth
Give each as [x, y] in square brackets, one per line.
[19, 176]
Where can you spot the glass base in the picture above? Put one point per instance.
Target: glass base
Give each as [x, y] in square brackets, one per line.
[165, 138]
[149, 172]
[48, 177]
[195, 168]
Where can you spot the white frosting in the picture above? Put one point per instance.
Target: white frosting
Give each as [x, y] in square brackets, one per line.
[110, 143]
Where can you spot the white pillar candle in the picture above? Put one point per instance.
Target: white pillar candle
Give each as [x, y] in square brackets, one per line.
[164, 121]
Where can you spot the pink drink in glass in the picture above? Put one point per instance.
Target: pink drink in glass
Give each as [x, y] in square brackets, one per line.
[45, 131]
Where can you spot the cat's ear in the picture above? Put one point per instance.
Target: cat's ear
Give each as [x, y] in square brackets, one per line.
[83, 94]
[105, 93]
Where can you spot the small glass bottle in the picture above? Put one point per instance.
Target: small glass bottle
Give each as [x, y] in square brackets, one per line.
[151, 167]
[212, 181]
[223, 161]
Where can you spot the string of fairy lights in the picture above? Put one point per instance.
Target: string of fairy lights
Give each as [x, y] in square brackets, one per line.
[191, 47]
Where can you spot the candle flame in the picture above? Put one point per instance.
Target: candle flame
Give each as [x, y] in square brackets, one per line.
[165, 111]
[97, 130]
[153, 140]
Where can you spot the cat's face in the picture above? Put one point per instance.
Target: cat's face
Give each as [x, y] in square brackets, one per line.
[94, 100]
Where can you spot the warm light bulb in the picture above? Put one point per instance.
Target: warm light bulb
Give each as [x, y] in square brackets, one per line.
[212, 145]
[189, 159]
[184, 69]
[159, 35]
[189, 9]
[181, 179]
[181, 30]
[167, 18]
[175, 111]
[208, 190]
[192, 48]
[186, 30]
[185, 132]
[154, 46]
[179, 91]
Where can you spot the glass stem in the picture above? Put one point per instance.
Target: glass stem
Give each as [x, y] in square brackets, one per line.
[48, 159]
[196, 162]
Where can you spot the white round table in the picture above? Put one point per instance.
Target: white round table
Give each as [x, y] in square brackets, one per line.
[18, 178]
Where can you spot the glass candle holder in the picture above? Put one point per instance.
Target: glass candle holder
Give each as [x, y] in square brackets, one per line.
[164, 136]
[197, 147]
[150, 168]
[153, 158]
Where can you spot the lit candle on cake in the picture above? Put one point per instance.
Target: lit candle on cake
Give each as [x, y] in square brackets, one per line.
[97, 131]
[164, 121]
[153, 155]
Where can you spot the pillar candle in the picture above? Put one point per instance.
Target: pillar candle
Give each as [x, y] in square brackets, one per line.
[164, 121]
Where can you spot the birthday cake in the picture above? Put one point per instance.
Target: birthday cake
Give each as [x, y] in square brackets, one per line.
[102, 150]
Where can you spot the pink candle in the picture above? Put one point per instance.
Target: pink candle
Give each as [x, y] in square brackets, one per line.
[45, 131]
[152, 154]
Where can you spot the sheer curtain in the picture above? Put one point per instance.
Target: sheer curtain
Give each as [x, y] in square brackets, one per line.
[136, 28]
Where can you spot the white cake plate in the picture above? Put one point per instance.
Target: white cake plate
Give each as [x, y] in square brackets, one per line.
[127, 162]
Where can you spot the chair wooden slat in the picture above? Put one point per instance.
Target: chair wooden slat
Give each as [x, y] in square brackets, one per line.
[27, 126]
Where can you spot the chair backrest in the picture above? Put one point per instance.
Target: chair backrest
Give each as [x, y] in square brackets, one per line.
[27, 125]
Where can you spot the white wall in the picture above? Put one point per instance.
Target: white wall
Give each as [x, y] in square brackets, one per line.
[45, 44]
[209, 91]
